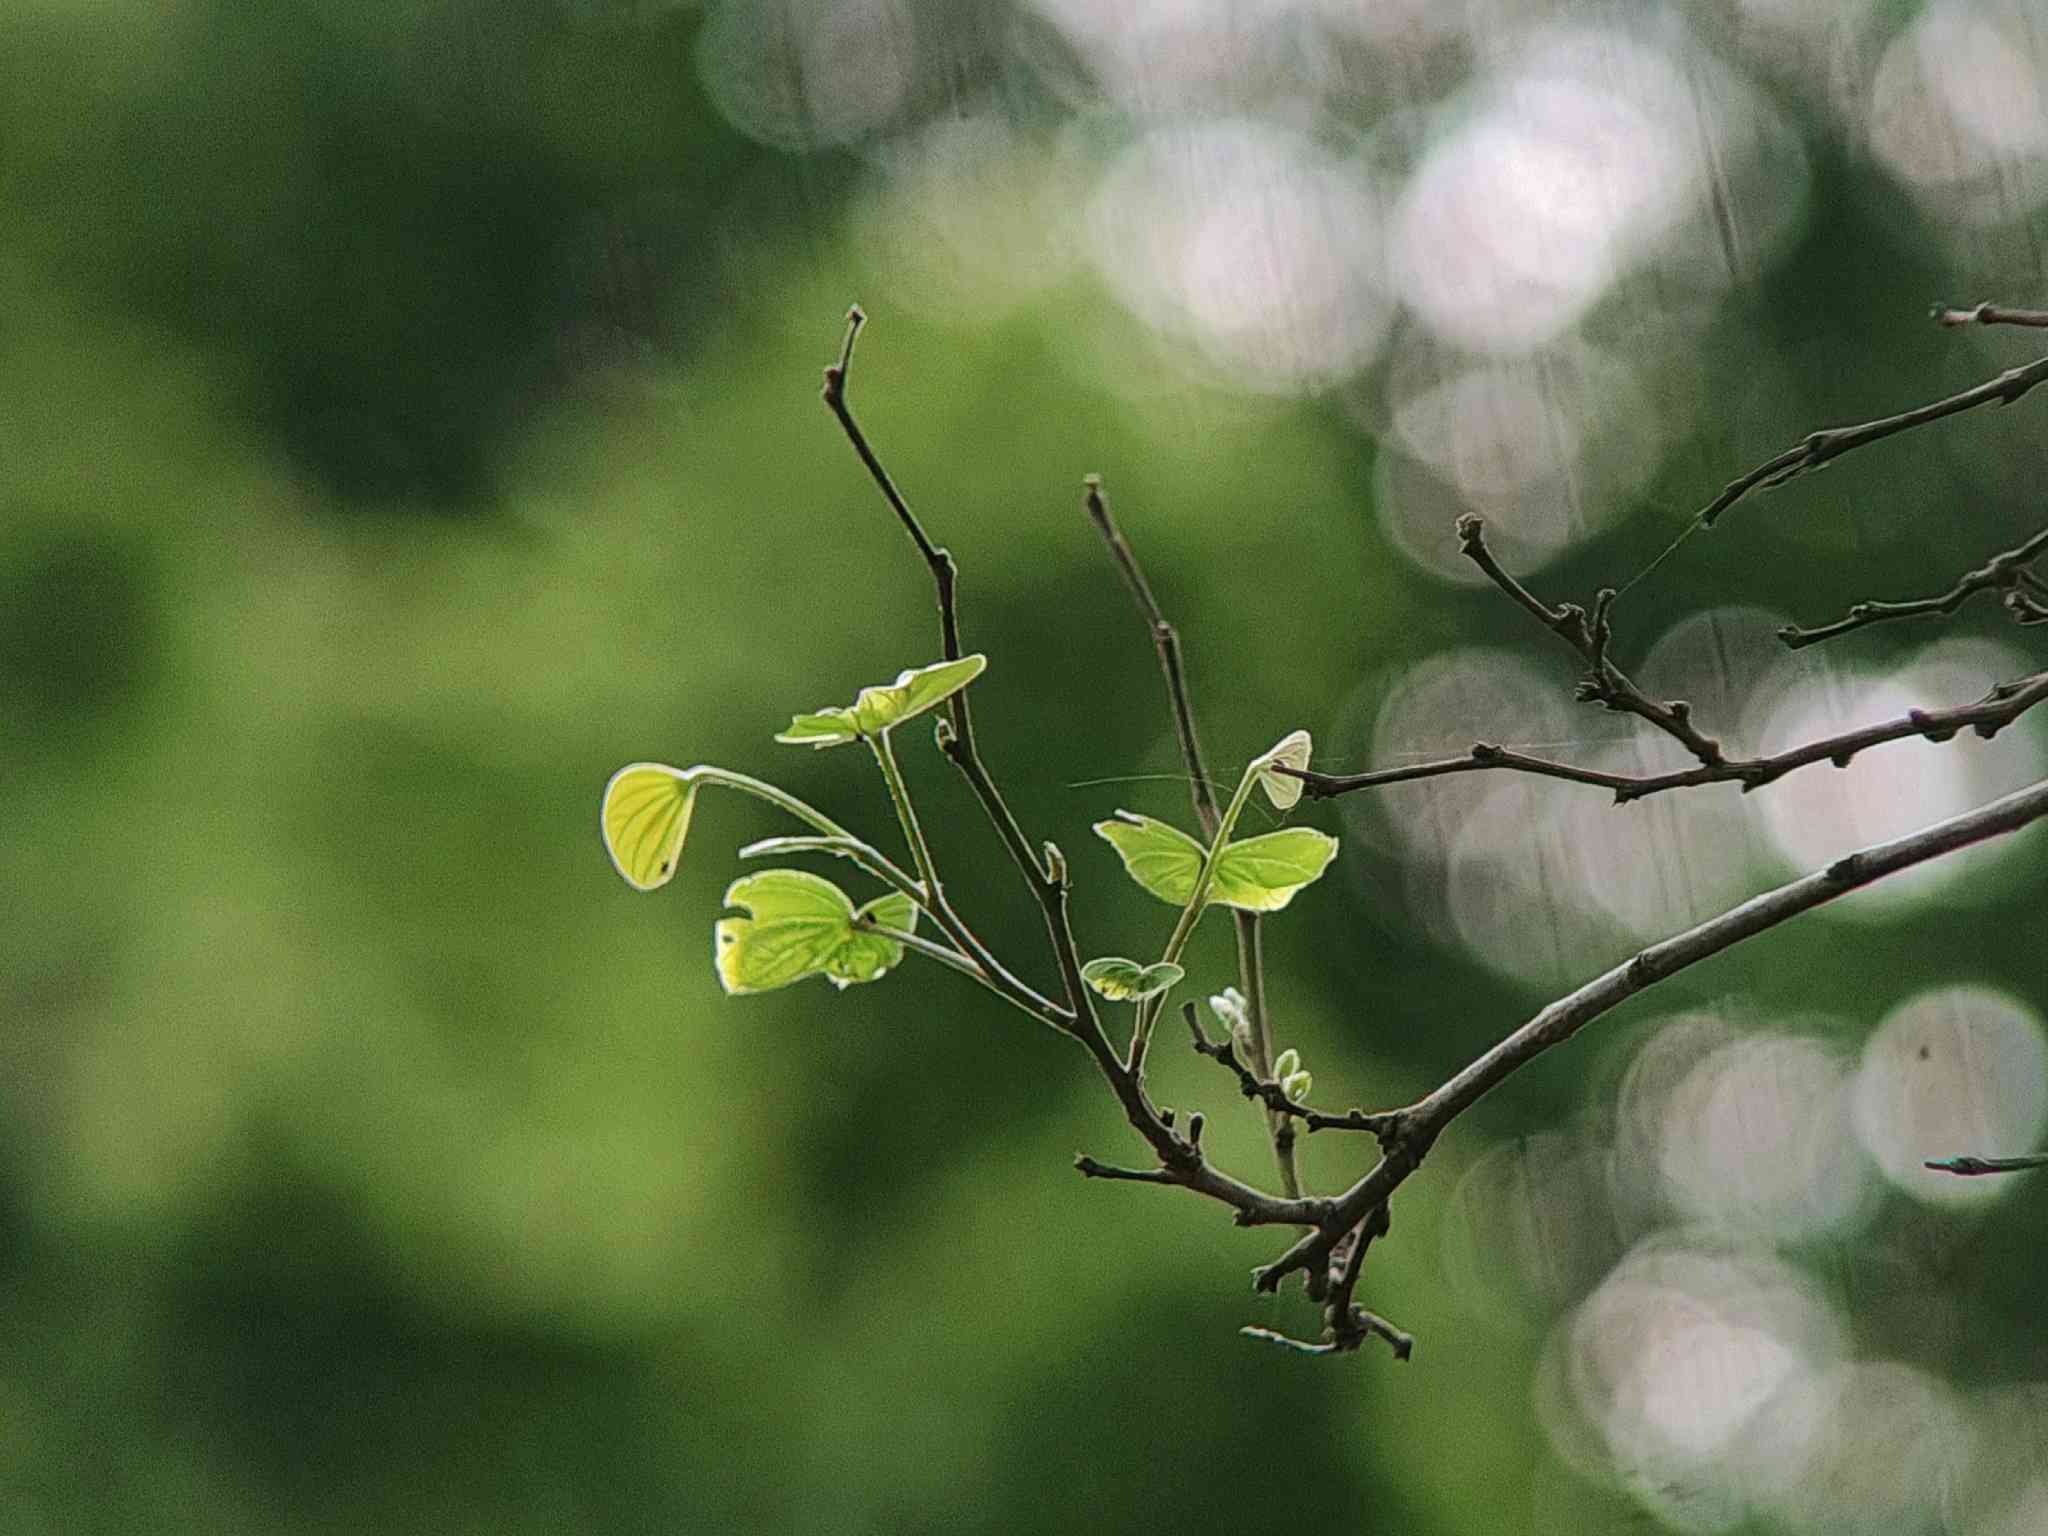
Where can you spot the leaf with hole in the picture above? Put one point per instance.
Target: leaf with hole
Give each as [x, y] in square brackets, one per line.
[799, 924]
[1126, 981]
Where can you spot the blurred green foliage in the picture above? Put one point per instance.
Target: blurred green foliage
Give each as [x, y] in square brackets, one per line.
[372, 1160]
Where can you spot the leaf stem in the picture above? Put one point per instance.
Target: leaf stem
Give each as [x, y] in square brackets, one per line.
[1191, 914]
[933, 897]
[906, 815]
[1251, 971]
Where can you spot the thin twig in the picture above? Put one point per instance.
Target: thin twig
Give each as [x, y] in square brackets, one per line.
[1610, 687]
[1350, 1326]
[2006, 570]
[1989, 314]
[1985, 717]
[1604, 684]
[956, 734]
[945, 578]
[1418, 1125]
[1251, 968]
[1819, 448]
[1979, 1165]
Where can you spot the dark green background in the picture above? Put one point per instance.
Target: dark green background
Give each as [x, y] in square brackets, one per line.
[410, 415]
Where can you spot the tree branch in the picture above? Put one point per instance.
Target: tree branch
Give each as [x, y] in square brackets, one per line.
[1989, 314]
[1980, 1165]
[1417, 1126]
[1182, 1161]
[1251, 968]
[945, 576]
[1269, 1092]
[2007, 570]
[1605, 684]
[1986, 717]
[955, 735]
[1608, 686]
[1819, 448]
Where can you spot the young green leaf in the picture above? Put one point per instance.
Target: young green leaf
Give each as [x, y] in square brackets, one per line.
[1164, 860]
[1291, 751]
[827, 728]
[1258, 874]
[1126, 981]
[884, 707]
[645, 816]
[1261, 874]
[799, 924]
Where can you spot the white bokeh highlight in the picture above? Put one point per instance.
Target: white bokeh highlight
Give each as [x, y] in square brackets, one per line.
[1961, 1071]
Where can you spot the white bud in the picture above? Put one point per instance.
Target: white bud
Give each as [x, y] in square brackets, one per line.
[1296, 1086]
[1229, 1008]
[1288, 1064]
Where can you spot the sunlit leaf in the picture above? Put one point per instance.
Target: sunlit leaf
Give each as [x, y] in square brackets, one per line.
[1291, 751]
[796, 921]
[1257, 874]
[1164, 860]
[645, 816]
[1261, 874]
[884, 707]
[1126, 981]
[799, 924]
[827, 728]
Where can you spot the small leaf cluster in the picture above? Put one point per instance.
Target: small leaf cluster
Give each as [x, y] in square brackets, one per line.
[792, 924]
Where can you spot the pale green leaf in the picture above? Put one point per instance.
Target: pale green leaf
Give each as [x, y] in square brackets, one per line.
[1164, 860]
[1257, 874]
[827, 728]
[645, 816]
[884, 706]
[796, 921]
[1291, 751]
[1126, 981]
[1261, 874]
[799, 924]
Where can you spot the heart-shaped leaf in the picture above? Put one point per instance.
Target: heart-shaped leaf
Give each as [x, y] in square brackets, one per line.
[799, 924]
[1258, 874]
[1164, 860]
[644, 818]
[884, 707]
[1126, 981]
[1261, 874]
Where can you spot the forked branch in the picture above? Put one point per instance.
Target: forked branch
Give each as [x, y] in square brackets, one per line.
[1415, 1128]
[1606, 685]
[1338, 1232]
